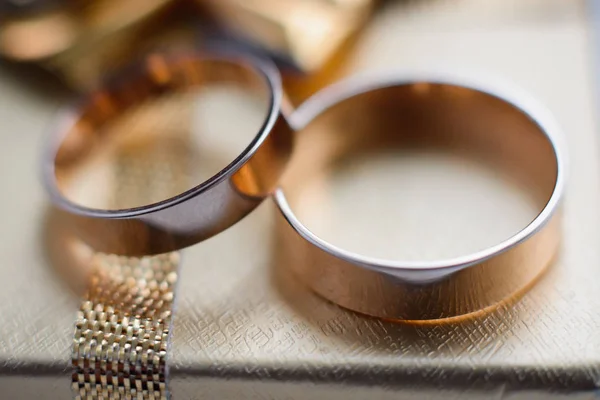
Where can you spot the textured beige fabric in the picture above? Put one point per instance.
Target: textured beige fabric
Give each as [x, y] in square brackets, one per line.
[242, 331]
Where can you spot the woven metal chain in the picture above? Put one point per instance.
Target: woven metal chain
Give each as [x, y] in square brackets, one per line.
[124, 323]
[123, 328]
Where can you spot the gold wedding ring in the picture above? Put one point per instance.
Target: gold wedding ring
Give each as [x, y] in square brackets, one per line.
[493, 126]
[84, 137]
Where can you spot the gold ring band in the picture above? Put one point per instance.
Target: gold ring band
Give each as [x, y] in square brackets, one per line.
[508, 132]
[192, 215]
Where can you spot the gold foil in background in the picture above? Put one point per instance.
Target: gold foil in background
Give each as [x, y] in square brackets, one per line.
[83, 42]
[242, 332]
[74, 27]
[312, 39]
[309, 32]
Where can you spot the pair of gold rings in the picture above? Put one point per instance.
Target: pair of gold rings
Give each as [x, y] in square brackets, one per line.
[503, 129]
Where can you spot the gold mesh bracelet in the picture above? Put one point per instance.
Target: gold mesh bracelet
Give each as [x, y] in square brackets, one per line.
[123, 327]
[124, 323]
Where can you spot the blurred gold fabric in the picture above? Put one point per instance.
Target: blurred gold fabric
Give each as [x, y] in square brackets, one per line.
[243, 329]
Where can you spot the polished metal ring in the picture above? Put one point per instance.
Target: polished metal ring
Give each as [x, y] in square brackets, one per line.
[195, 214]
[501, 128]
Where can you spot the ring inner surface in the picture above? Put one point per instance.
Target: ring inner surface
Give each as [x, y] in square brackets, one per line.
[174, 120]
[420, 172]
